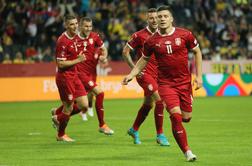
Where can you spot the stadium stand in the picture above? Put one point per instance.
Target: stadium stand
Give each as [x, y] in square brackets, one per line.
[30, 28]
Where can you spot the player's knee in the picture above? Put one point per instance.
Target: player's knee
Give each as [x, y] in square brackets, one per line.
[186, 120]
[176, 118]
[83, 107]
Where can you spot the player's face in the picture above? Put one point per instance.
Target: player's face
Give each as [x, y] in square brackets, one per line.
[71, 25]
[86, 27]
[165, 19]
[152, 20]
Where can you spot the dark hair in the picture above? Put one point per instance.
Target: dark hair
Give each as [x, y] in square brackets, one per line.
[152, 10]
[69, 17]
[87, 19]
[161, 8]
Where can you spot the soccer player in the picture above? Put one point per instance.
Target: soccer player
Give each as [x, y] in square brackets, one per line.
[90, 95]
[89, 42]
[170, 46]
[69, 85]
[147, 79]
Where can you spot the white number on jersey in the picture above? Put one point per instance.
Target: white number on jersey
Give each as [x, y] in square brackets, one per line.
[85, 46]
[169, 49]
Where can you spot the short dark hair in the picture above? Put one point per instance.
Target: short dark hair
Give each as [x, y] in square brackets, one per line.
[87, 19]
[69, 17]
[152, 10]
[164, 7]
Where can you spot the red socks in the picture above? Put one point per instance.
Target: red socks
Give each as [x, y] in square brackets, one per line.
[159, 116]
[141, 116]
[63, 120]
[179, 132]
[99, 108]
[59, 110]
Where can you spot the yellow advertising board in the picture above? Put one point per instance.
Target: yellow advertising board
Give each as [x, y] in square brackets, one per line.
[44, 88]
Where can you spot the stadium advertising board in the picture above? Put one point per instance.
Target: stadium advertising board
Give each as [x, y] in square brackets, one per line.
[44, 88]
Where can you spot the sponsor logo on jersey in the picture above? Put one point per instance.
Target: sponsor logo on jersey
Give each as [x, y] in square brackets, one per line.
[168, 42]
[158, 45]
[91, 41]
[178, 41]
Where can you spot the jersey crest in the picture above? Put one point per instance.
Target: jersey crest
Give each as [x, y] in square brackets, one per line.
[178, 41]
[91, 41]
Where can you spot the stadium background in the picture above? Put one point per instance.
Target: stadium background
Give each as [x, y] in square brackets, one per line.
[29, 30]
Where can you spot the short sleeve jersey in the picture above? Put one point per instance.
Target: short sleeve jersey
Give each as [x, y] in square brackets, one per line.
[90, 46]
[171, 52]
[66, 49]
[137, 42]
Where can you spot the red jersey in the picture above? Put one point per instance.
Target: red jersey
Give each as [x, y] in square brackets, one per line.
[137, 43]
[171, 52]
[66, 49]
[89, 45]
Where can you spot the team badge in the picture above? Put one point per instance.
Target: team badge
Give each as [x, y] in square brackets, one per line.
[91, 83]
[70, 97]
[91, 41]
[63, 53]
[178, 41]
[150, 87]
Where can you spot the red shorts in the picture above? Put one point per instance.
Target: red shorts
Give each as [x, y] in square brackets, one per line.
[177, 96]
[69, 89]
[148, 83]
[88, 81]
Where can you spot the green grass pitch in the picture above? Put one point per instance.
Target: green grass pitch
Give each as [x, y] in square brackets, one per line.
[220, 134]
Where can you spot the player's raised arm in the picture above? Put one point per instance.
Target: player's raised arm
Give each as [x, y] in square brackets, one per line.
[127, 57]
[198, 62]
[141, 63]
[61, 63]
[104, 55]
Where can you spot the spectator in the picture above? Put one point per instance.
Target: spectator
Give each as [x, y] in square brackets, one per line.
[220, 23]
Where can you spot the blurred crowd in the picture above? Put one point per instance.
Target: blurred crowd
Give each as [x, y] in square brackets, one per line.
[29, 28]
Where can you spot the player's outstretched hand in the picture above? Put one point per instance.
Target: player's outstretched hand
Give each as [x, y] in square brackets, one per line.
[81, 56]
[103, 59]
[198, 81]
[127, 79]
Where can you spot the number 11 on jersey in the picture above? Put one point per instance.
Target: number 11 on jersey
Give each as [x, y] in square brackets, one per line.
[169, 48]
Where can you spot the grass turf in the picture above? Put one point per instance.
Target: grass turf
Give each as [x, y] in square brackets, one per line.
[219, 134]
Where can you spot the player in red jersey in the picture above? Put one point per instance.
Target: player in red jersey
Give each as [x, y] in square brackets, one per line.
[68, 83]
[147, 80]
[170, 46]
[90, 95]
[89, 42]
